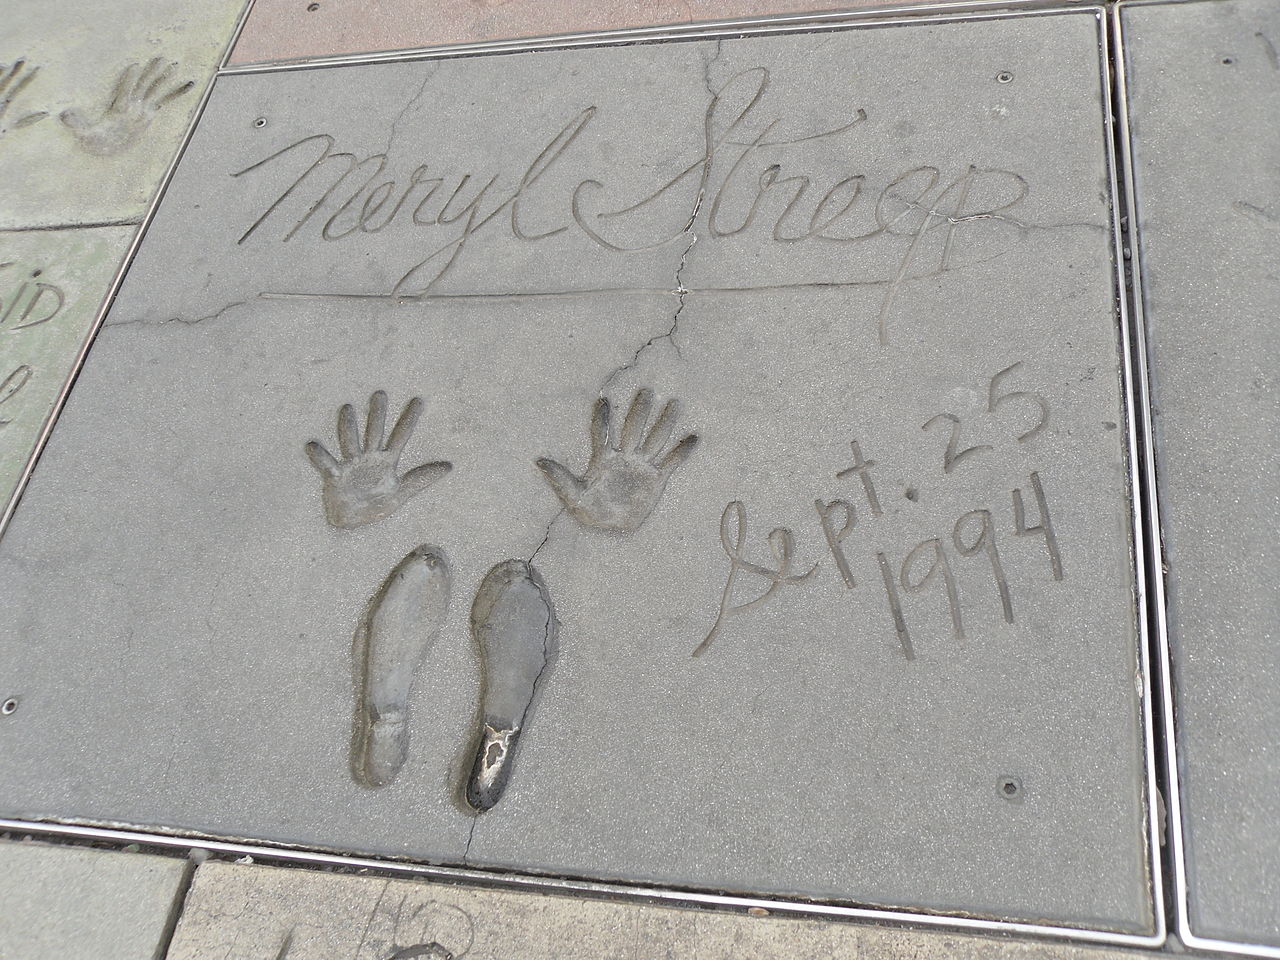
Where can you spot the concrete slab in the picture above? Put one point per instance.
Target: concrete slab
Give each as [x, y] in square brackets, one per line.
[73, 901]
[299, 29]
[885, 298]
[1204, 91]
[94, 99]
[52, 283]
[243, 912]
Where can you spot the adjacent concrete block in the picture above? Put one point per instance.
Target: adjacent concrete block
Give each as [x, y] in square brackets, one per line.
[294, 29]
[58, 902]
[254, 913]
[1204, 92]
[51, 286]
[875, 269]
[94, 98]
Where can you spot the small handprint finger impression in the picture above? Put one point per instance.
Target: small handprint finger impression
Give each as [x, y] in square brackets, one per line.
[628, 469]
[141, 91]
[363, 483]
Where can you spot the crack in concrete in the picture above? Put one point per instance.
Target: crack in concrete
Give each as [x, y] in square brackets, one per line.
[679, 290]
[466, 851]
[546, 535]
[182, 320]
[391, 137]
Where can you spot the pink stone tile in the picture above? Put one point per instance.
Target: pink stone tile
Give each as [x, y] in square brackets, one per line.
[294, 29]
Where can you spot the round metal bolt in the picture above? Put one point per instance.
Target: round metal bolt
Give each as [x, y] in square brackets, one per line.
[1010, 788]
[9, 706]
[1004, 76]
[260, 122]
[312, 7]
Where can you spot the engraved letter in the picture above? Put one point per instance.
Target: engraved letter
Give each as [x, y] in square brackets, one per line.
[781, 545]
[836, 537]
[1020, 527]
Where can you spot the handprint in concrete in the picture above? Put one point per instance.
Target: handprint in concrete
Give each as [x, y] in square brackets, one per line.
[627, 471]
[14, 79]
[141, 91]
[363, 484]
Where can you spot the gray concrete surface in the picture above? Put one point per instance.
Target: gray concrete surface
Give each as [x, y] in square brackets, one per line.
[51, 285]
[60, 902]
[1204, 95]
[271, 913]
[179, 598]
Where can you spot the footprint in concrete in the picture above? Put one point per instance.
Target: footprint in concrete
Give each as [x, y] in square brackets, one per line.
[365, 484]
[514, 625]
[627, 470]
[401, 625]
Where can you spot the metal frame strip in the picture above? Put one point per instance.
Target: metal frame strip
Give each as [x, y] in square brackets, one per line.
[1157, 607]
[542, 884]
[882, 15]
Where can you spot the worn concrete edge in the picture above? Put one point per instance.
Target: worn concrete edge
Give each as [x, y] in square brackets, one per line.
[881, 15]
[299, 855]
[42, 436]
[1157, 608]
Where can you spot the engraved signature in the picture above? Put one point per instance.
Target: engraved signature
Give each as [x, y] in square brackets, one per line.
[32, 304]
[926, 563]
[742, 181]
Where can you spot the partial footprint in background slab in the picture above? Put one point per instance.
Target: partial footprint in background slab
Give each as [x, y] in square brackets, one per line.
[514, 626]
[401, 625]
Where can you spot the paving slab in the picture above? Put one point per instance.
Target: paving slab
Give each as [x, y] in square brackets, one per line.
[1204, 91]
[73, 901]
[253, 912]
[94, 100]
[52, 283]
[886, 300]
[300, 29]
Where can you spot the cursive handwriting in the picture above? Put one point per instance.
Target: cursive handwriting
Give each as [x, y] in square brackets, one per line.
[733, 531]
[11, 385]
[32, 304]
[742, 180]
